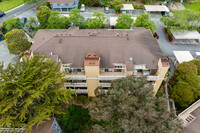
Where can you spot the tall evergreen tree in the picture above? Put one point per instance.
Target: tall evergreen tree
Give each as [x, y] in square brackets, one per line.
[31, 92]
[129, 106]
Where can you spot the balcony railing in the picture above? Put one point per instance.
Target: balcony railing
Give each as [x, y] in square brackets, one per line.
[81, 91]
[152, 78]
[76, 77]
[75, 84]
[105, 84]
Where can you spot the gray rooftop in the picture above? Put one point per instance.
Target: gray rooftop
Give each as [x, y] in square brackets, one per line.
[114, 46]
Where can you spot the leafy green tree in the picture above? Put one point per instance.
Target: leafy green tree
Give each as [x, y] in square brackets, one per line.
[30, 92]
[182, 94]
[143, 20]
[12, 23]
[57, 21]
[182, 20]
[129, 106]
[117, 5]
[187, 81]
[17, 41]
[186, 67]
[98, 21]
[76, 18]
[124, 21]
[92, 2]
[43, 16]
[197, 63]
[31, 1]
[75, 118]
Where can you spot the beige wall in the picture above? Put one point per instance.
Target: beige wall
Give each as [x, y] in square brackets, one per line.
[129, 73]
[161, 73]
[92, 74]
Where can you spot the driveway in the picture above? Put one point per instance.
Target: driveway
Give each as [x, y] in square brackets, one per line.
[168, 48]
[5, 55]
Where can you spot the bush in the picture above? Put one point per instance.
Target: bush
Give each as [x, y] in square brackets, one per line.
[75, 119]
[159, 94]
[168, 31]
[83, 99]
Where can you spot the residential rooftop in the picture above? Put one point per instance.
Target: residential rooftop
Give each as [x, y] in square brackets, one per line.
[113, 46]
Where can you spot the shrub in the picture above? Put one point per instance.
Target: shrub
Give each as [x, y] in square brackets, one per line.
[75, 119]
[83, 99]
[159, 94]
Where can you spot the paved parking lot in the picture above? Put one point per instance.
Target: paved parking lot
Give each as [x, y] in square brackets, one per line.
[5, 56]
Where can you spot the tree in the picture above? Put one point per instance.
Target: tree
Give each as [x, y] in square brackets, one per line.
[143, 20]
[182, 94]
[117, 5]
[30, 92]
[31, 1]
[98, 21]
[187, 81]
[129, 106]
[76, 18]
[186, 67]
[57, 21]
[43, 16]
[124, 21]
[75, 118]
[12, 23]
[197, 63]
[17, 41]
[182, 20]
[92, 2]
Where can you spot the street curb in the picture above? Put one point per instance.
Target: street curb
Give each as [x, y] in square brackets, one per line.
[14, 8]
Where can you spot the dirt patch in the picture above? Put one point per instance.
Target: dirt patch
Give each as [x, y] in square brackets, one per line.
[138, 3]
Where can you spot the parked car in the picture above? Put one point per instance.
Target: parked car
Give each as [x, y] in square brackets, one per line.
[82, 7]
[23, 20]
[2, 14]
[106, 10]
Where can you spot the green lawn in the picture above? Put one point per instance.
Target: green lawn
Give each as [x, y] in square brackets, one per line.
[10, 4]
[195, 6]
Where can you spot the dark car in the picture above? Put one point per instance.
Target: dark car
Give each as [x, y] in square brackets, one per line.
[106, 10]
[23, 20]
[2, 14]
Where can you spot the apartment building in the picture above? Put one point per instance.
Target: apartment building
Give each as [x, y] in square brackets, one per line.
[95, 57]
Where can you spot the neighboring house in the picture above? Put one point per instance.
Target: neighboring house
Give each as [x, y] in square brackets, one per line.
[191, 118]
[63, 5]
[95, 57]
[49, 126]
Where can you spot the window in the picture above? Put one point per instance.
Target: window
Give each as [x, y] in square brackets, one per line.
[58, 4]
[108, 70]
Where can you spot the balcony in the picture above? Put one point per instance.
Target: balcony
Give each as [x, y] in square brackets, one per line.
[111, 75]
[152, 78]
[105, 84]
[80, 91]
[76, 76]
[75, 84]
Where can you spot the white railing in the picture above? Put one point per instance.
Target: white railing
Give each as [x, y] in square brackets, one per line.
[75, 77]
[10, 130]
[105, 84]
[152, 78]
[75, 84]
[110, 77]
[80, 91]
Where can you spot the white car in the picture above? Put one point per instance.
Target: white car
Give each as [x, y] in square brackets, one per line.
[82, 7]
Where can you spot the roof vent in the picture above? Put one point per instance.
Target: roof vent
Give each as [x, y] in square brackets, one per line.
[50, 53]
[61, 34]
[43, 38]
[127, 38]
[130, 59]
[70, 34]
[60, 41]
